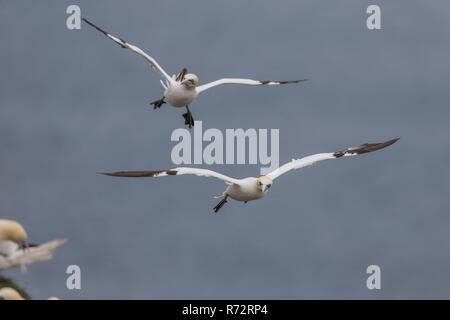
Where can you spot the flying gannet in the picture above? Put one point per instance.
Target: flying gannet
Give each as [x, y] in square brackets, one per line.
[181, 90]
[252, 188]
[15, 250]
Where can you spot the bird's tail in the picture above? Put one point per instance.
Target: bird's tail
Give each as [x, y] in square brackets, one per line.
[223, 195]
[165, 86]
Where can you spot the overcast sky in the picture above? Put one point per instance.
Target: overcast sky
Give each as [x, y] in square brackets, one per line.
[72, 103]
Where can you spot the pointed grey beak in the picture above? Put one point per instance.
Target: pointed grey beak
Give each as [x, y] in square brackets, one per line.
[265, 187]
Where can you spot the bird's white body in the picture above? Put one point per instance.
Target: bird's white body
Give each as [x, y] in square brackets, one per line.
[246, 190]
[178, 95]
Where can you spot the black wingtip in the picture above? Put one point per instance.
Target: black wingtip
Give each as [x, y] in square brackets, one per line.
[114, 174]
[139, 174]
[95, 26]
[390, 142]
[104, 173]
[292, 81]
[88, 22]
[365, 148]
[92, 25]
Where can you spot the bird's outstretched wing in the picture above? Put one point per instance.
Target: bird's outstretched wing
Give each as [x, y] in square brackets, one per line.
[124, 44]
[173, 172]
[247, 82]
[309, 160]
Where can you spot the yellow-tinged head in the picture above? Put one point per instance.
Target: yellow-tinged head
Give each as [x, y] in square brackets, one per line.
[264, 183]
[8, 293]
[190, 80]
[13, 231]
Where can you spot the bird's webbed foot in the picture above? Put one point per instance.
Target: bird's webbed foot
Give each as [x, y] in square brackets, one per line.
[220, 204]
[158, 103]
[188, 118]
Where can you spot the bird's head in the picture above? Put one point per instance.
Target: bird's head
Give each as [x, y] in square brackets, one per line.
[190, 80]
[7, 293]
[264, 183]
[12, 231]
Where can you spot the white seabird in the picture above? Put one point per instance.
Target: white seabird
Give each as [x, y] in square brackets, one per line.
[251, 188]
[15, 250]
[181, 90]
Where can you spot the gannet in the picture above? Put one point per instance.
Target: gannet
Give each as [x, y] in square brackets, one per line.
[252, 188]
[16, 252]
[181, 90]
[8, 293]
[12, 231]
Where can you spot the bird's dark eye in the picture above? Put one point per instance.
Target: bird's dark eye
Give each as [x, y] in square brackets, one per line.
[260, 183]
[268, 186]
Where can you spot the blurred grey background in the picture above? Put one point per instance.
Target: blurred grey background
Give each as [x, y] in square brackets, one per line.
[73, 103]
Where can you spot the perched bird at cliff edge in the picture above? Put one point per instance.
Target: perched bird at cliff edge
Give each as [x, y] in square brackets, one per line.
[15, 250]
[181, 90]
[252, 188]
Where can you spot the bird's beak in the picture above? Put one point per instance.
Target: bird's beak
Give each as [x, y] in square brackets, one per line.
[23, 245]
[188, 82]
[265, 187]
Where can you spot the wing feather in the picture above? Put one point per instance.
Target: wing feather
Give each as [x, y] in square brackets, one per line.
[247, 82]
[309, 160]
[137, 50]
[173, 172]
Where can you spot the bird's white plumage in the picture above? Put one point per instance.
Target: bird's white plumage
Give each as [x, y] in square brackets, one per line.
[206, 173]
[248, 82]
[179, 96]
[8, 248]
[180, 91]
[309, 160]
[152, 61]
[251, 188]
[12, 255]
[14, 251]
[300, 163]
[137, 50]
